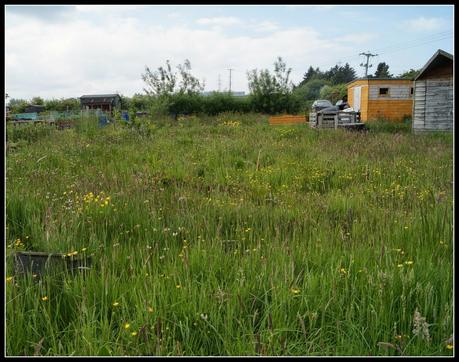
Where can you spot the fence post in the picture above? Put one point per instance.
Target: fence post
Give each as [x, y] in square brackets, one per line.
[336, 120]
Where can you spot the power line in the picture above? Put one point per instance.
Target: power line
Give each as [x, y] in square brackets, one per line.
[405, 45]
[433, 37]
[414, 46]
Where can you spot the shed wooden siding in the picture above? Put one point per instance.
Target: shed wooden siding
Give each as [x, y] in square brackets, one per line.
[390, 109]
[433, 106]
[394, 107]
[433, 95]
[396, 91]
[287, 119]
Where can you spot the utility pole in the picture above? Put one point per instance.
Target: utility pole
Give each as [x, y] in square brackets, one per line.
[368, 55]
[230, 70]
[219, 82]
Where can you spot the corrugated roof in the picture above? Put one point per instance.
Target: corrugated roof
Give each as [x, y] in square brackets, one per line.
[433, 61]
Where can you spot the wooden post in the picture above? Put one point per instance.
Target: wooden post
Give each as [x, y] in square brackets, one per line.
[336, 120]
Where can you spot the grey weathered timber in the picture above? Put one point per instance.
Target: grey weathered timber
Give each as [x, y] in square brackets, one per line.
[433, 95]
[335, 120]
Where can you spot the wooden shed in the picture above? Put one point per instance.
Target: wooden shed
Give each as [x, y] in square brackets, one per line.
[104, 102]
[34, 108]
[388, 98]
[433, 94]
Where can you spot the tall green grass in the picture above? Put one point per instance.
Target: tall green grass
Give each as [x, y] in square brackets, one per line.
[230, 237]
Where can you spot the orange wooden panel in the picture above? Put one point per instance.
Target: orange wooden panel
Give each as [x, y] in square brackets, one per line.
[287, 119]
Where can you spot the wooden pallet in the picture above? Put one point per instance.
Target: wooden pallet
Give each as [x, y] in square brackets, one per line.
[335, 120]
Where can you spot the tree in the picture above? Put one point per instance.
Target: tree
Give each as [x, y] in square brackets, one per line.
[333, 93]
[340, 74]
[282, 74]
[310, 75]
[311, 90]
[17, 105]
[382, 71]
[271, 93]
[62, 105]
[410, 74]
[37, 101]
[166, 82]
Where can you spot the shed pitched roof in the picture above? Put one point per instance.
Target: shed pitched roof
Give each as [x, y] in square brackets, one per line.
[99, 96]
[433, 61]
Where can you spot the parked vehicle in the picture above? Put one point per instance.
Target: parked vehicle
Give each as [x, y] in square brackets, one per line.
[320, 104]
[341, 105]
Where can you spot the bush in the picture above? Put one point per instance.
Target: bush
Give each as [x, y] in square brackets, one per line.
[217, 103]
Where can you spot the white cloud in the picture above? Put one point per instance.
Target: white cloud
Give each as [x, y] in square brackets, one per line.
[265, 26]
[82, 57]
[423, 24]
[219, 21]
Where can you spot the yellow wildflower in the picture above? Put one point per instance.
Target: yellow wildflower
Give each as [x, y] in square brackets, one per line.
[178, 286]
[150, 310]
[409, 262]
[127, 326]
[400, 265]
[133, 334]
[9, 279]
[116, 304]
[44, 299]
[449, 346]
[295, 291]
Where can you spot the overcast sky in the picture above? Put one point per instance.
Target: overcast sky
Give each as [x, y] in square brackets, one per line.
[68, 51]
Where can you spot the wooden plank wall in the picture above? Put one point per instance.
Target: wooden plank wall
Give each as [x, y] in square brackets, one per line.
[287, 119]
[433, 107]
[390, 109]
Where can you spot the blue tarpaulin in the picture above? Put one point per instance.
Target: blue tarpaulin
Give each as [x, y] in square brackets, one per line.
[26, 116]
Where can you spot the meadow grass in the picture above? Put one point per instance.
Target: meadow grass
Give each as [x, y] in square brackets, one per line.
[228, 236]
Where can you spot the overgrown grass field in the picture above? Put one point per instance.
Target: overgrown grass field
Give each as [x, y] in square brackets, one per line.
[228, 236]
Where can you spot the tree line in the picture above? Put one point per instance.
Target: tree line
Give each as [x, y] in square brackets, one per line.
[173, 91]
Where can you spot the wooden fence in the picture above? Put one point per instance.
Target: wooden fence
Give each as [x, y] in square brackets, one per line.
[287, 119]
